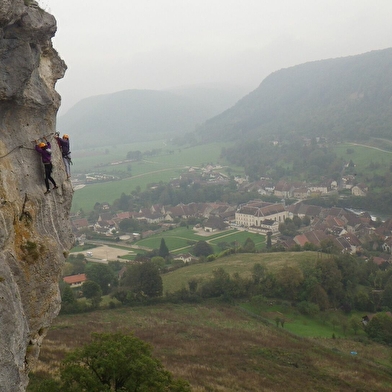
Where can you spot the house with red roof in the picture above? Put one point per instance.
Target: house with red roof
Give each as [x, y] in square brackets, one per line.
[75, 280]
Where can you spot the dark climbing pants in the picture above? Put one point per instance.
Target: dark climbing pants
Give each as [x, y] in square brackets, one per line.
[48, 175]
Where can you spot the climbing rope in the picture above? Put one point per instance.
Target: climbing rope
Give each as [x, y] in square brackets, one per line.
[25, 147]
[9, 152]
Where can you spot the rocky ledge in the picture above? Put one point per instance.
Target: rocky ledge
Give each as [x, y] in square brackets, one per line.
[35, 232]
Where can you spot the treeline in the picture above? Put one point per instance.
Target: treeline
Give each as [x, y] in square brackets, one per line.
[166, 194]
[344, 282]
[137, 155]
[373, 201]
[288, 159]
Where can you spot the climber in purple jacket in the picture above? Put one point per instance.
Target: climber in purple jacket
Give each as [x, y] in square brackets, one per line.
[46, 155]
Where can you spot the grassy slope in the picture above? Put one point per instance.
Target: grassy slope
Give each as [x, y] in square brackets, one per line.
[241, 263]
[221, 348]
[363, 156]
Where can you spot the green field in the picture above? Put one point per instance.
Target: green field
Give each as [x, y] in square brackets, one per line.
[164, 167]
[88, 160]
[177, 240]
[240, 237]
[363, 156]
[304, 325]
[86, 197]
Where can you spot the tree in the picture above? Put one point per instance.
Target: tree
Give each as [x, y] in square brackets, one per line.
[386, 298]
[124, 202]
[134, 155]
[362, 301]
[290, 279]
[258, 273]
[328, 246]
[249, 246]
[269, 241]
[117, 362]
[92, 291]
[192, 283]
[288, 228]
[78, 263]
[330, 279]
[101, 274]
[129, 225]
[219, 285]
[319, 296]
[67, 269]
[163, 249]
[144, 279]
[67, 295]
[297, 221]
[158, 261]
[379, 328]
[223, 245]
[355, 323]
[202, 248]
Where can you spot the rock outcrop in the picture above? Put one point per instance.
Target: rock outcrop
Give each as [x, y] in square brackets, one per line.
[35, 232]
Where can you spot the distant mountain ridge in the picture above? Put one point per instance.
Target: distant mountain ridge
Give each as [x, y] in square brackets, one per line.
[349, 98]
[140, 115]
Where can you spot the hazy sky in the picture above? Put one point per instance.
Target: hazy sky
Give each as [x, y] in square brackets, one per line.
[115, 45]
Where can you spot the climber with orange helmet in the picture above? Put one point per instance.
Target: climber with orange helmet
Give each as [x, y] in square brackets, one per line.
[46, 155]
[66, 153]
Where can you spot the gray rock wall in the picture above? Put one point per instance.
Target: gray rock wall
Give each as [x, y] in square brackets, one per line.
[35, 232]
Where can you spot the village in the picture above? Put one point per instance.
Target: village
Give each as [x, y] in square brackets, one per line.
[343, 229]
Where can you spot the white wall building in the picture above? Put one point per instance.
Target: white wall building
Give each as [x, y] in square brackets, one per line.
[254, 214]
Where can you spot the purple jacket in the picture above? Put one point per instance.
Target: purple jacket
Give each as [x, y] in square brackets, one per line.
[45, 154]
[64, 145]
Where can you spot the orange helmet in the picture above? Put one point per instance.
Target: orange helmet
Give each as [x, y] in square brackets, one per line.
[42, 145]
[65, 136]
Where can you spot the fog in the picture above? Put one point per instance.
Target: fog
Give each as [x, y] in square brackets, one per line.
[116, 45]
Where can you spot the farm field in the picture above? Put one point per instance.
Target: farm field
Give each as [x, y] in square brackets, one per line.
[242, 263]
[85, 198]
[363, 156]
[219, 347]
[106, 253]
[158, 168]
[89, 159]
[320, 325]
[177, 240]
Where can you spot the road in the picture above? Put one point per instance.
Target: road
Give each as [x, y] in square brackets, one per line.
[123, 245]
[374, 148]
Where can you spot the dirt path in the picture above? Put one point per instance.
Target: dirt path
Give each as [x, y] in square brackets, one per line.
[374, 148]
[105, 253]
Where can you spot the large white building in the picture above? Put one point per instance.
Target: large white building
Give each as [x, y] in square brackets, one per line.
[254, 213]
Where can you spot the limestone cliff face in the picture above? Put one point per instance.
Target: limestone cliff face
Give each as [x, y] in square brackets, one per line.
[34, 228]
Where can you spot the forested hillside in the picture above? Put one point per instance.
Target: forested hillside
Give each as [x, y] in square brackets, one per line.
[343, 98]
